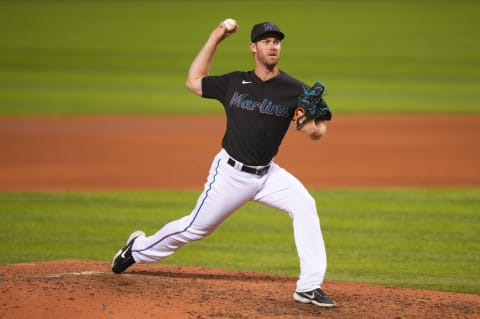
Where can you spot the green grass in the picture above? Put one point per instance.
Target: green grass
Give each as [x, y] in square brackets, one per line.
[107, 57]
[425, 238]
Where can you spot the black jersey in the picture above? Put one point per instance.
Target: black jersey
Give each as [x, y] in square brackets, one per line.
[258, 112]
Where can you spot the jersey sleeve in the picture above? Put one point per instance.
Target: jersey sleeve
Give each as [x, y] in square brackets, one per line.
[217, 86]
[214, 87]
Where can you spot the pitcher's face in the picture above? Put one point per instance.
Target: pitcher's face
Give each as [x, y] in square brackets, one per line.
[267, 51]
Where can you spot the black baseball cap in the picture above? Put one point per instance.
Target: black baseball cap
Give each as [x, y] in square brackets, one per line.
[264, 30]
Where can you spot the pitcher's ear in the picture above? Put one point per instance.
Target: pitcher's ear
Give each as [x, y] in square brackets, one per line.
[253, 47]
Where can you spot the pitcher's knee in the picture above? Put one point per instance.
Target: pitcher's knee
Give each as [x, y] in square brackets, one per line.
[306, 205]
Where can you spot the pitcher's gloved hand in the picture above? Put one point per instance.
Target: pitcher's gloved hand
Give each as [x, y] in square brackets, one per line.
[311, 106]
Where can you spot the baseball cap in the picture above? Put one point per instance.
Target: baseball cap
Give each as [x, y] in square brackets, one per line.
[266, 29]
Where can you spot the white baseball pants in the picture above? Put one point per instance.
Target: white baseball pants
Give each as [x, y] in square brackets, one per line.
[226, 190]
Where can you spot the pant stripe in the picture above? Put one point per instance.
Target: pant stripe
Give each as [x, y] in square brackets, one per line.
[195, 216]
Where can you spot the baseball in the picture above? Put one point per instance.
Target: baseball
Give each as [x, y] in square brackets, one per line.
[229, 24]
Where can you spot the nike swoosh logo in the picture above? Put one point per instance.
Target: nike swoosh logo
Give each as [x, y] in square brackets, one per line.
[123, 254]
[246, 82]
[311, 296]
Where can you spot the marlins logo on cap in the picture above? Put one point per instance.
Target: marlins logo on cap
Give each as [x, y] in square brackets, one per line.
[264, 30]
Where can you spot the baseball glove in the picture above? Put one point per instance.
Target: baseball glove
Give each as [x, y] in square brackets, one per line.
[311, 106]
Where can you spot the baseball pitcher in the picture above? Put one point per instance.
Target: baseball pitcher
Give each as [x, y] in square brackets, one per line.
[260, 105]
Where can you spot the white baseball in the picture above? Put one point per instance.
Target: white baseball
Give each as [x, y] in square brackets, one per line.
[229, 24]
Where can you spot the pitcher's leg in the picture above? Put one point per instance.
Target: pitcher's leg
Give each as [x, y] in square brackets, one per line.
[214, 205]
[285, 192]
[310, 245]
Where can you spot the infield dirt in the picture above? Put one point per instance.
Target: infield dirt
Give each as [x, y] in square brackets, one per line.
[85, 153]
[93, 153]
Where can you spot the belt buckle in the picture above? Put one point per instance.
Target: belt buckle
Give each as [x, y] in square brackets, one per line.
[259, 171]
[262, 170]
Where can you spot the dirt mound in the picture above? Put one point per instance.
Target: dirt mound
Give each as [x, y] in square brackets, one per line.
[85, 289]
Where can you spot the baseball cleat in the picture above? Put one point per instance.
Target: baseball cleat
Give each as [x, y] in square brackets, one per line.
[316, 297]
[123, 258]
